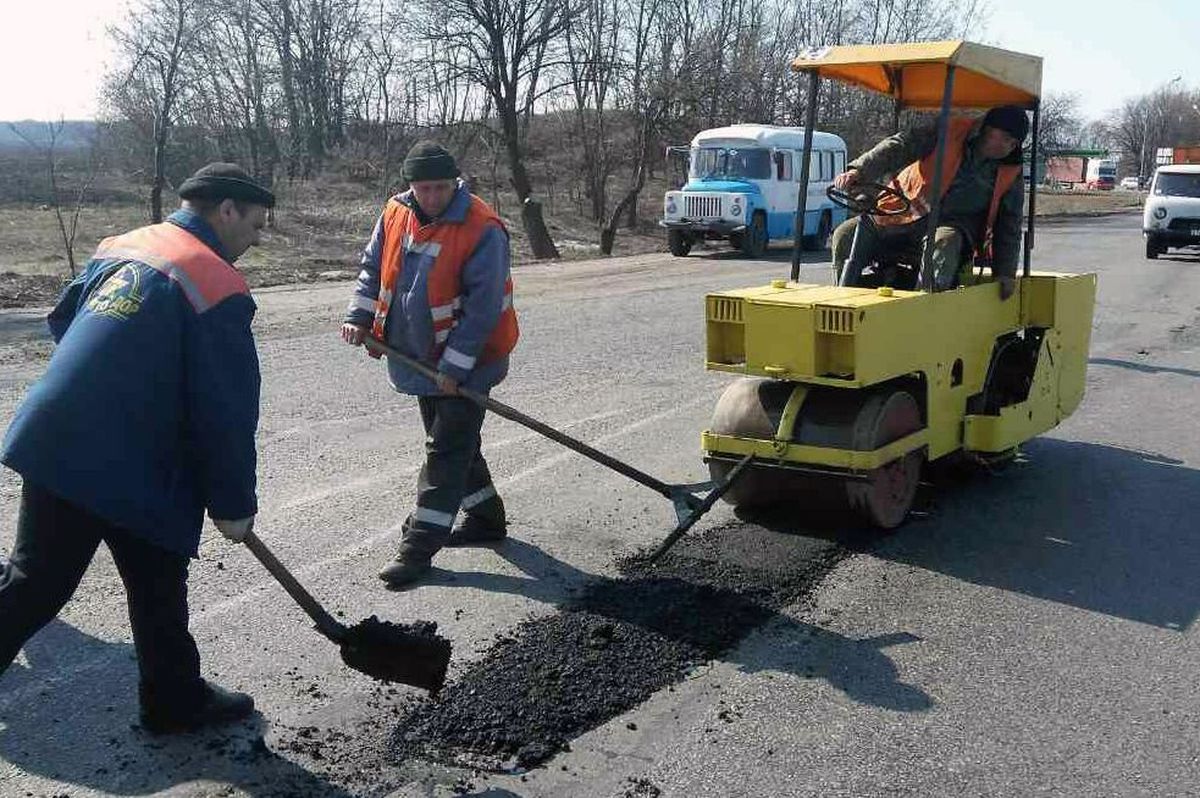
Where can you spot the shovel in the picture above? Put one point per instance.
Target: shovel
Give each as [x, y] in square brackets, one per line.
[689, 506]
[410, 654]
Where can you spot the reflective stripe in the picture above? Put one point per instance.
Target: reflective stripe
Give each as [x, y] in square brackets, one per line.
[430, 248]
[361, 302]
[385, 296]
[441, 335]
[456, 358]
[443, 312]
[364, 275]
[426, 516]
[479, 497]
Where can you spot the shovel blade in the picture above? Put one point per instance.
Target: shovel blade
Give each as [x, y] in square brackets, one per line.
[411, 654]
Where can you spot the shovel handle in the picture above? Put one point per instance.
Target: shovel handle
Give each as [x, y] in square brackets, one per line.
[326, 623]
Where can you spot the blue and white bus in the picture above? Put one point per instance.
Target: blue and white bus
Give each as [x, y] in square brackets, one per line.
[743, 185]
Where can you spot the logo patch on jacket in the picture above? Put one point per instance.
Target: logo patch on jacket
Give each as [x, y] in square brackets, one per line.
[120, 296]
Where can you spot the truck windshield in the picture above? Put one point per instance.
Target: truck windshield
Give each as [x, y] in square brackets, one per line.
[708, 162]
[1177, 185]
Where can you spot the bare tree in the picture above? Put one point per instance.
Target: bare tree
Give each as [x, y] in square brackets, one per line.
[1060, 123]
[156, 43]
[502, 45]
[47, 150]
[592, 41]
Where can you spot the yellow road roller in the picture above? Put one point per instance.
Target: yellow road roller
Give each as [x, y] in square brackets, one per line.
[850, 391]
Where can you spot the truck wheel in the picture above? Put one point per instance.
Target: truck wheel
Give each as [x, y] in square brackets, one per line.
[679, 242]
[754, 239]
[1153, 250]
[820, 241]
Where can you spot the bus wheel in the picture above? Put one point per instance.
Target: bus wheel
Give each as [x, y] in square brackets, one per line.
[820, 241]
[754, 238]
[679, 242]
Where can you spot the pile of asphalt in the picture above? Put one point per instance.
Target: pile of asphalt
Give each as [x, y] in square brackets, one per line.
[613, 646]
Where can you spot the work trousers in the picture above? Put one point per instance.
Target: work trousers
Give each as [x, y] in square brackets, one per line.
[55, 543]
[875, 240]
[455, 476]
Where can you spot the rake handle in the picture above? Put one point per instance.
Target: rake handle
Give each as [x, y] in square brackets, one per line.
[512, 414]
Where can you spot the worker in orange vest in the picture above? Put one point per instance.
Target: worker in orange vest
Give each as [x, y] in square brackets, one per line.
[435, 284]
[981, 205]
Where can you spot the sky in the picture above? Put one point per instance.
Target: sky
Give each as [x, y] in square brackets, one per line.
[53, 53]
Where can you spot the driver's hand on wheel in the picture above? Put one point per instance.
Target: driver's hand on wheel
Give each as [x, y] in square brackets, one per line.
[846, 179]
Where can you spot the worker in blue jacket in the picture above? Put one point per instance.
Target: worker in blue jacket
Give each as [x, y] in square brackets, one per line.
[144, 420]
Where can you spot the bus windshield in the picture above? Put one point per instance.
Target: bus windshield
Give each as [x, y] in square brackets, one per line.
[709, 162]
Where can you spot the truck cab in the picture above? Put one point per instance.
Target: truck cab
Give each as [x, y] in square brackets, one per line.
[743, 186]
[1102, 174]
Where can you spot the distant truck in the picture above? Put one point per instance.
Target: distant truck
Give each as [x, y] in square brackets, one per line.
[1101, 174]
[1066, 171]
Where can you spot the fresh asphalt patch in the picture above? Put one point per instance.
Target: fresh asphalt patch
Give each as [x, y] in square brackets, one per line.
[619, 641]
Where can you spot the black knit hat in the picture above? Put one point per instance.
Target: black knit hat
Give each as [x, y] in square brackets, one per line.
[428, 160]
[1010, 119]
[221, 181]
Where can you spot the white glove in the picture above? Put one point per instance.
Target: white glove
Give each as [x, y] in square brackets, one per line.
[235, 530]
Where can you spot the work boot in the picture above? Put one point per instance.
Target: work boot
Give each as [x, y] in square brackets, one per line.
[407, 568]
[474, 531]
[217, 707]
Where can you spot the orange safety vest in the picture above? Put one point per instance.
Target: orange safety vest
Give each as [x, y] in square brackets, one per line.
[451, 245]
[915, 179]
[204, 276]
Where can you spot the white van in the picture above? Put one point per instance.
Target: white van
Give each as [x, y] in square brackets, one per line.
[1172, 214]
[744, 186]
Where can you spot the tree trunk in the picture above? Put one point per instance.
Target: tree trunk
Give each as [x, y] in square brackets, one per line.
[540, 241]
[160, 160]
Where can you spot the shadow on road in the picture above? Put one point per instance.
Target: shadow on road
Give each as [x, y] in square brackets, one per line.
[1097, 527]
[1145, 368]
[776, 254]
[70, 714]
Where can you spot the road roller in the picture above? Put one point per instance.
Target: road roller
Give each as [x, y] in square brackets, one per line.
[849, 392]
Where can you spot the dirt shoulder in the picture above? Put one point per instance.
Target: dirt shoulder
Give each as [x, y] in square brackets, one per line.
[315, 241]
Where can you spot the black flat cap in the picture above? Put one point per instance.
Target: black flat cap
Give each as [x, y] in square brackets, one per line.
[221, 181]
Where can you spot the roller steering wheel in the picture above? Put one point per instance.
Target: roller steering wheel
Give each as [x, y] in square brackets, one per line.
[864, 198]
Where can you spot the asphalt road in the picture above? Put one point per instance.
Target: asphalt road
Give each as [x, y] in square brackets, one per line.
[1031, 632]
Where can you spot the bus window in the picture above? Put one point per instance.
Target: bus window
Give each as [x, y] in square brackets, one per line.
[821, 169]
[783, 165]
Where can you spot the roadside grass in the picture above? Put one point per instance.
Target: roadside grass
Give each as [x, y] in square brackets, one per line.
[320, 227]
[1083, 203]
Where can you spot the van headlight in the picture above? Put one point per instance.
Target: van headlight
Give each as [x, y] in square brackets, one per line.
[671, 206]
[1160, 212]
[735, 208]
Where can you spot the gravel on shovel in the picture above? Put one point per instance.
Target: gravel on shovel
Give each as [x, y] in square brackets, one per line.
[409, 653]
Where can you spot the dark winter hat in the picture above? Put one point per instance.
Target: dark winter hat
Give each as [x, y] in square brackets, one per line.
[428, 160]
[221, 181]
[1010, 119]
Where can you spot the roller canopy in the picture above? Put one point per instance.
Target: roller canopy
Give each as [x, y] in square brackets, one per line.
[915, 74]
